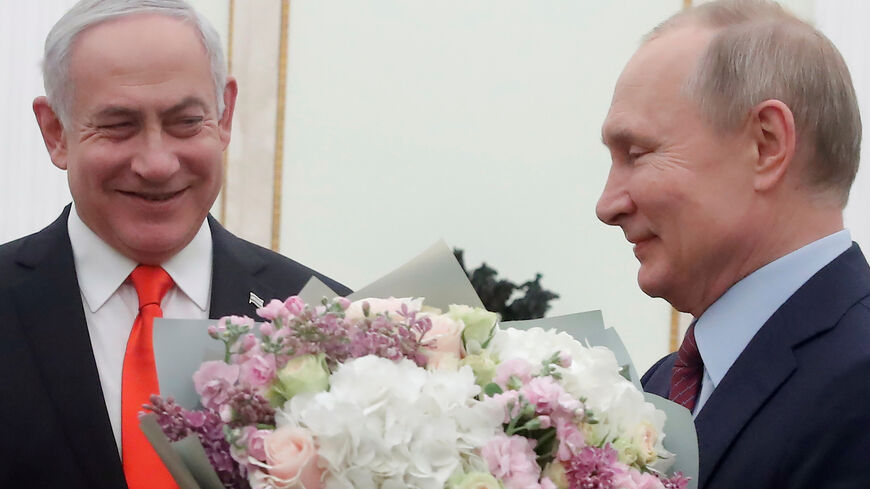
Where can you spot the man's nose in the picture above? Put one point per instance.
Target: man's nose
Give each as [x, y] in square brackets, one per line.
[155, 162]
[615, 201]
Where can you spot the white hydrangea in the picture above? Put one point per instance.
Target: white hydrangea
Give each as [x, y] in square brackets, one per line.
[386, 424]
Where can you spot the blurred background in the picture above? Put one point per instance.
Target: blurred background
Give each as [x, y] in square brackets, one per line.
[367, 130]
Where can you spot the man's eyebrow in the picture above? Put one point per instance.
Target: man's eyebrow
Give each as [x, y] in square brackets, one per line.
[625, 137]
[117, 111]
[186, 103]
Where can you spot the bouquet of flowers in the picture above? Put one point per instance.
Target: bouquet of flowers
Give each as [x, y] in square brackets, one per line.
[392, 394]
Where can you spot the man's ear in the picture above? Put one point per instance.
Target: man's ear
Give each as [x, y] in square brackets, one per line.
[231, 90]
[773, 131]
[52, 132]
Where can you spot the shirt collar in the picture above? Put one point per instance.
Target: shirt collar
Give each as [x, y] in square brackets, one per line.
[101, 269]
[727, 326]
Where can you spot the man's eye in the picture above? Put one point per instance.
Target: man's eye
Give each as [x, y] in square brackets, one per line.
[117, 125]
[190, 121]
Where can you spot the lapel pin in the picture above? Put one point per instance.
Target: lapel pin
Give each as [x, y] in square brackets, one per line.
[253, 299]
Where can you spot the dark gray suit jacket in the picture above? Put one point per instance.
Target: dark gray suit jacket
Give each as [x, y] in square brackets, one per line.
[793, 412]
[54, 428]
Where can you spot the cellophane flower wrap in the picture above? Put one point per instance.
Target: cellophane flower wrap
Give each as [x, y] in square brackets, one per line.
[391, 394]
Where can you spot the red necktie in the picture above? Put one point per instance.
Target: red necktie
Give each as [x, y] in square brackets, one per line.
[688, 372]
[142, 467]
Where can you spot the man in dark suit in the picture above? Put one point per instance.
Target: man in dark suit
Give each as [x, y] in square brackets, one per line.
[138, 112]
[735, 137]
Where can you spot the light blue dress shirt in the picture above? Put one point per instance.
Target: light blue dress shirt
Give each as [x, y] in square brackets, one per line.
[727, 326]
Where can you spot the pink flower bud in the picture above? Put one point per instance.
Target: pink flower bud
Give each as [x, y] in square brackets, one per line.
[266, 329]
[248, 341]
[294, 305]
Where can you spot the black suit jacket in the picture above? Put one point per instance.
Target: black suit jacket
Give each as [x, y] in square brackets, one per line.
[54, 428]
[794, 409]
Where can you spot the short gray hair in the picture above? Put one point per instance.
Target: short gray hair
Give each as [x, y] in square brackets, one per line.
[761, 52]
[88, 13]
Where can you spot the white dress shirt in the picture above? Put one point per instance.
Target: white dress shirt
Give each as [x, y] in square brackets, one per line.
[111, 304]
[727, 326]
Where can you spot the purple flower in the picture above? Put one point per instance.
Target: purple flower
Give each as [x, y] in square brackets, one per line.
[213, 381]
[593, 468]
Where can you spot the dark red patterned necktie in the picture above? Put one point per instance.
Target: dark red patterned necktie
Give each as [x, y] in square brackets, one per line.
[688, 372]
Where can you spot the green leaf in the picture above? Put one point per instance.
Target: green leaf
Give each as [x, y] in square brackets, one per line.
[492, 389]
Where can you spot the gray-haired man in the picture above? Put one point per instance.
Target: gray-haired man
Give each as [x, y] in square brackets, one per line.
[138, 112]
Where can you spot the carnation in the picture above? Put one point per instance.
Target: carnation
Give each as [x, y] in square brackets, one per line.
[594, 375]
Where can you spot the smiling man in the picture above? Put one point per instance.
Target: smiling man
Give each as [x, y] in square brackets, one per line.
[138, 113]
[735, 136]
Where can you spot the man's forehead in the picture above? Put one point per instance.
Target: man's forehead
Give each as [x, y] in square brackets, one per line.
[137, 39]
[670, 57]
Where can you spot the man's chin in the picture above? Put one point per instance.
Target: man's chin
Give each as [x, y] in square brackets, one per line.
[156, 247]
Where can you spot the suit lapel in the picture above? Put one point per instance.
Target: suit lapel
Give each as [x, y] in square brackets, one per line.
[768, 360]
[234, 272]
[51, 315]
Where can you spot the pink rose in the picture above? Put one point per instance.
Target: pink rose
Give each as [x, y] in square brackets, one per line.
[291, 461]
[213, 381]
[257, 444]
[443, 341]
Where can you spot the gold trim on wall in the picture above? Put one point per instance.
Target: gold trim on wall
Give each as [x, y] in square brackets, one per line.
[226, 157]
[277, 178]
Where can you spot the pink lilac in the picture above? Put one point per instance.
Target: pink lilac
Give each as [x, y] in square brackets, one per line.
[213, 381]
[248, 407]
[593, 468]
[512, 460]
[514, 367]
[177, 423]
